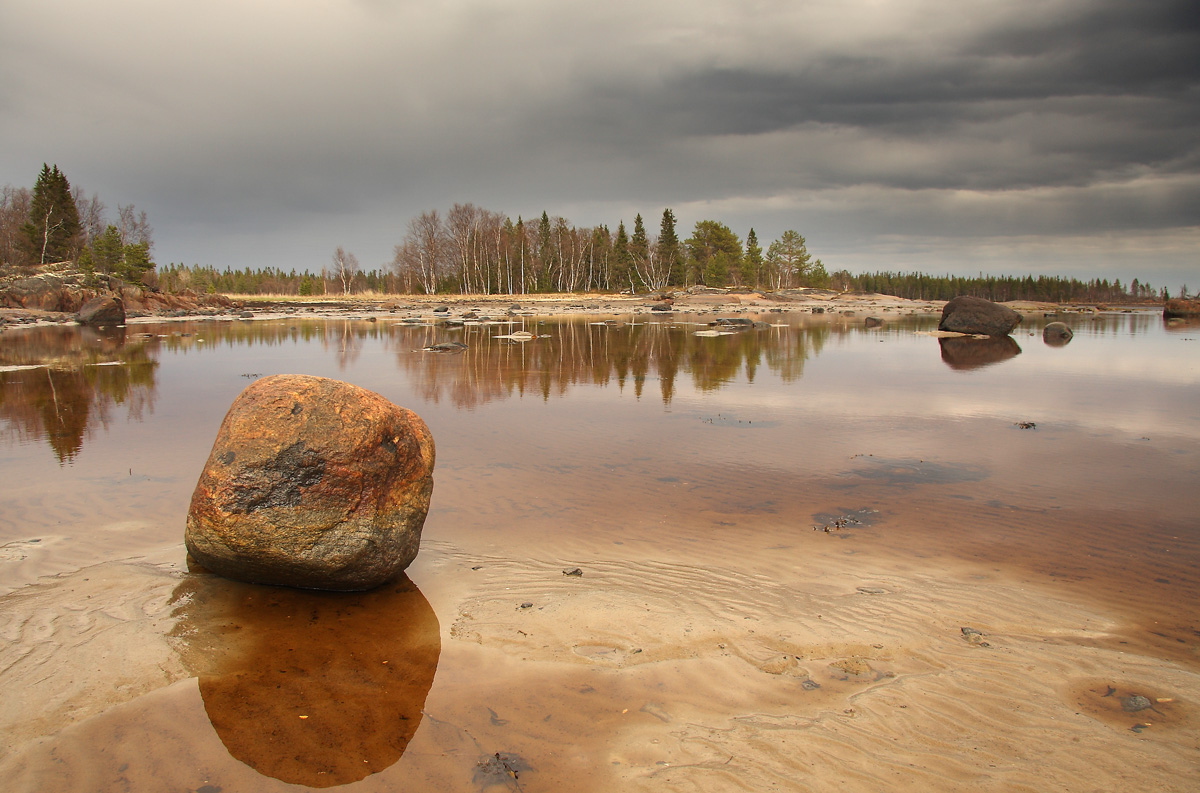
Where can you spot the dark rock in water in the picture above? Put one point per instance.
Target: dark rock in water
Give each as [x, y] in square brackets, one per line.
[447, 346]
[470, 315]
[1135, 703]
[819, 310]
[442, 310]
[1057, 334]
[662, 307]
[873, 322]
[502, 768]
[732, 322]
[312, 483]
[102, 310]
[1182, 309]
[963, 352]
[965, 314]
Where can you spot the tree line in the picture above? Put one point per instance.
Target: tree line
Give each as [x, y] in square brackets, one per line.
[472, 250]
[55, 222]
[477, 251]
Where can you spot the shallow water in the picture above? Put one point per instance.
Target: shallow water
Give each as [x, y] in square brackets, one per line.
[781, 533]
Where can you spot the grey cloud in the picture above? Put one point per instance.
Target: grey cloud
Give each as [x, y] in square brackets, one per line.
[259, 136]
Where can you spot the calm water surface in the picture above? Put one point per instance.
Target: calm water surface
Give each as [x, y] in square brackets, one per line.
[639, 436]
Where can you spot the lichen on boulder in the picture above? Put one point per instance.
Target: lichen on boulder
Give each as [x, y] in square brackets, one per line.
[312, 483]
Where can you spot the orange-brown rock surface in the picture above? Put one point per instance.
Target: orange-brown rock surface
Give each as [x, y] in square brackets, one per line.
[312, 483]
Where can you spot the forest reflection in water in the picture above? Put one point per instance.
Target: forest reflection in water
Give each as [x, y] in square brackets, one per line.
[55, 383]
[58, 383]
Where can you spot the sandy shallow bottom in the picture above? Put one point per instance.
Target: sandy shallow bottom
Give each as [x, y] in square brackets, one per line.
[1016, 626]
[637, 674]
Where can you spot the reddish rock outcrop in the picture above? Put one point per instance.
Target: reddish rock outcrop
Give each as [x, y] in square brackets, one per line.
[965, 314]
[1182, 309]
[312, 483]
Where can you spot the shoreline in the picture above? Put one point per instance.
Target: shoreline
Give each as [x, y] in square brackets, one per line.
[687, 303]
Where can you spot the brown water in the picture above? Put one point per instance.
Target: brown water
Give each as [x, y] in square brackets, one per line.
[719, 637]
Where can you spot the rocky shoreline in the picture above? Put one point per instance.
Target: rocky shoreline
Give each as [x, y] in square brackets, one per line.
[51, 298]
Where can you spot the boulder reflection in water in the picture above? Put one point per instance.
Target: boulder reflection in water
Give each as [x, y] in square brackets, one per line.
[312, 688]
[970, 352]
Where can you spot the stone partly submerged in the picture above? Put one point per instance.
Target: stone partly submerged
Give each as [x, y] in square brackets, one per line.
[1057, 334]
[974, 315]
[312, 483]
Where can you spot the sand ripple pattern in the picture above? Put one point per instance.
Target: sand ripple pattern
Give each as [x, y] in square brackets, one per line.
[732, 680]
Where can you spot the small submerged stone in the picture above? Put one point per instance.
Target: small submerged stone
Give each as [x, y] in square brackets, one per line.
[1135, 703]
[500, 768]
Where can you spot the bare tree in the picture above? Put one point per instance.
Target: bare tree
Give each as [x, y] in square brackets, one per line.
[345, 267]
[91, 216]
[134, 227]
[421, 257]
[15, 203]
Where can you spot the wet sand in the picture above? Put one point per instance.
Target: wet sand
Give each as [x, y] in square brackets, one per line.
[714, 639]
[843, 669]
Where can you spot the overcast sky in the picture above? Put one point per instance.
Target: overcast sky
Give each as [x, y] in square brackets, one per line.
[1008, 136]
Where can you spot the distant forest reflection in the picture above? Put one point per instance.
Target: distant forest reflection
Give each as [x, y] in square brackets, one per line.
[571, 353]
[59, 383]
[72, 378]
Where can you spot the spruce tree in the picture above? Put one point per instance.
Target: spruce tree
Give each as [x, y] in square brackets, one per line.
[621, 259]
[752, 263]
[53, 219]
[669, 249]
[639, 247]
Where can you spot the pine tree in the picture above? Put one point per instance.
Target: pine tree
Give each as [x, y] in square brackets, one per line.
[714, 252]
[53, 219]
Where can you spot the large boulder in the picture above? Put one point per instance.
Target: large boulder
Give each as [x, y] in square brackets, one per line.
[102, 310]
[312, 483]
[1181, 308]
[974, 315]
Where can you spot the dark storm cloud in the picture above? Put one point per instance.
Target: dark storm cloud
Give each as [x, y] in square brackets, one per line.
[1110, 86]
[269, 132]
